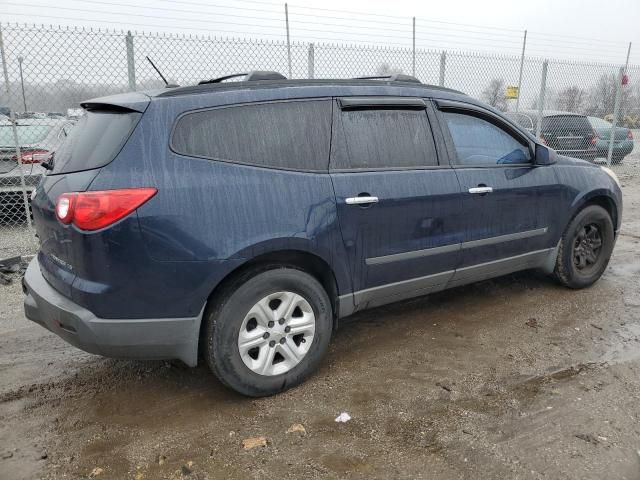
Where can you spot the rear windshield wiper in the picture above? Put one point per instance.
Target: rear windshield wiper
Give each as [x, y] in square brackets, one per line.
[48, 163]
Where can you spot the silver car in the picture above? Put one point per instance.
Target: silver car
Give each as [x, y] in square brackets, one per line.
[38, 138]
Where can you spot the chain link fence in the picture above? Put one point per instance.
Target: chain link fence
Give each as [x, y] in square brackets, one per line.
[47, 71]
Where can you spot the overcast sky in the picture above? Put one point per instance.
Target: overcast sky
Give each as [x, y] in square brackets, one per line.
[595, 30]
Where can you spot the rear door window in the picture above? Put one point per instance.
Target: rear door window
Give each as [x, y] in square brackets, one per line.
[293, 135]
[383, 138]
[479, 142]
[94, 141]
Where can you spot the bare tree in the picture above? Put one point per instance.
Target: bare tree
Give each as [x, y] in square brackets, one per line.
[494, 94]
[385, 69]
[572, 99]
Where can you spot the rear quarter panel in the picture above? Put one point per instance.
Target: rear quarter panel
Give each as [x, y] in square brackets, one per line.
[209, 217]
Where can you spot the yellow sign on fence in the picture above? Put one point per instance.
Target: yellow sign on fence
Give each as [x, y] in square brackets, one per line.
[512, 92]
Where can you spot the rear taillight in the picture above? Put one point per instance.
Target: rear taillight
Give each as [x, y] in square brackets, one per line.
[594, 137]
[542, 139]
[99, 209]
[34, 155]
[629, 135]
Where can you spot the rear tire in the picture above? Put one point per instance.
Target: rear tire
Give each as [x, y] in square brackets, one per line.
[267, 332]
[585, 248]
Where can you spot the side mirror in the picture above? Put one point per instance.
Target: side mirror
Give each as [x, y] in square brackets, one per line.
[545, 155]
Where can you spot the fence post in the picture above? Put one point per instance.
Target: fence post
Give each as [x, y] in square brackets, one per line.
[443, 66]
[616, 112]
[12, 117]
[524, 46]
[311, 62]
[413, 56]
[131, 65]
[543, 90]
[286, 19]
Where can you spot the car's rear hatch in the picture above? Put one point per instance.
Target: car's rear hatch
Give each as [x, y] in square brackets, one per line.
[94, 142]
[568, 134]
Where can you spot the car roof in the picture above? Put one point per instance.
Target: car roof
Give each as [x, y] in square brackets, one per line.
[282, 84]
[243, 91]
[548, 113]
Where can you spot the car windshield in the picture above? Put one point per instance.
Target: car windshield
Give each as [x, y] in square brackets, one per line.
[599, 123]
[27, 134]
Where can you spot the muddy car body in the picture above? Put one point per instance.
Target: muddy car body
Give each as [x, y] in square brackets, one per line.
[242, 220]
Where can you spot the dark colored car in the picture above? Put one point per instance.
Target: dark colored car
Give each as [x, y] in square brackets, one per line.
[622, 140]
[567, 133]
[241, 220]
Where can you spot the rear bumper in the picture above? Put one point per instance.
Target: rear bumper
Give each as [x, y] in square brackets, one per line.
[144, 339]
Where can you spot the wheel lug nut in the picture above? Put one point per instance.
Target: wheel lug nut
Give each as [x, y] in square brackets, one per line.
[281, 321]
[282, 340]
[270, 324]
[266, 335]
[287, 329]
[272, 343]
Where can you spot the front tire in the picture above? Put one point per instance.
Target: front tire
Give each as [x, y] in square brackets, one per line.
[268, 332]
[585, 248]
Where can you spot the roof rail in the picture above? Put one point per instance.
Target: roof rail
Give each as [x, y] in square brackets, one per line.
[396, 77]
[251, 76]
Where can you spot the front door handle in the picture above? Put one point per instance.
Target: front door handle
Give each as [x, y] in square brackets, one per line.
[481, 190]
[364, 200]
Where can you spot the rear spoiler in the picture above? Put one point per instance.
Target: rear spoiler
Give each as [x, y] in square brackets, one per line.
[124, 102]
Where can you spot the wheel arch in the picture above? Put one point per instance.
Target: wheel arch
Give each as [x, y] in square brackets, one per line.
[602, 198]
[303, 260]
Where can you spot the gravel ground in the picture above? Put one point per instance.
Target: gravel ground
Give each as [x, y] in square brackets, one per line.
[510, 378]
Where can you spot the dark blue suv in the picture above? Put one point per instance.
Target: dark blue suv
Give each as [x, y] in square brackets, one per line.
[238, 221]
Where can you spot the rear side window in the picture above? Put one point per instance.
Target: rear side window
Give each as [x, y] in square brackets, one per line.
[94, 141]
[384, 139]
[479, 142]
[290, 135]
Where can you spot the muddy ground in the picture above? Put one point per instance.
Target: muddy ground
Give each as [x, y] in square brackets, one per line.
[511, 378]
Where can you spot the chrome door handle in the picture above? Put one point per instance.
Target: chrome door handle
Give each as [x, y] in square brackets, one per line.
[361, 200]
[481, 190]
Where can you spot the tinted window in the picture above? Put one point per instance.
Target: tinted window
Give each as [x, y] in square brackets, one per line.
[479, 142]
[386, 138]
[566, 123]
[292, 135]
[94, 141]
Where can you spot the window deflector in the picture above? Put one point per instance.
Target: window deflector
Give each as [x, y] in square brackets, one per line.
[402, 103]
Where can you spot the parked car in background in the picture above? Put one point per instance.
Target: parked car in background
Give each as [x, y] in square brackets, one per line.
[237, 222]
[567, 133]
[37, 139]
[622, 140]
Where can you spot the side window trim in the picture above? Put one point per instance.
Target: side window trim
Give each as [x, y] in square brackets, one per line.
[445, 106]
[385, 103]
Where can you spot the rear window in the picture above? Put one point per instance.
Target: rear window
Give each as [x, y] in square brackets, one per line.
[292, 135]
[566, 123]
[27, 134]
[94, 141]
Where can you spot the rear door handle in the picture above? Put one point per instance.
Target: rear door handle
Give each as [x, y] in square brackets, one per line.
[481, 190]
[361, 200]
